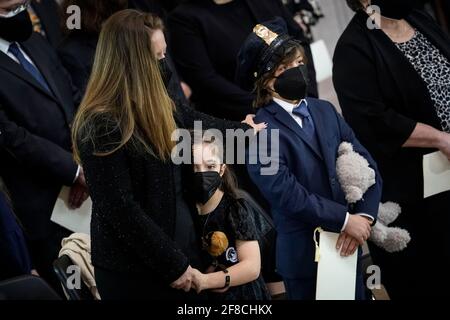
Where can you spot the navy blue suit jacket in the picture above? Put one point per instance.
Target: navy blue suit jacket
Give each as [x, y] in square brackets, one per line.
[14, 257]
[305, 193]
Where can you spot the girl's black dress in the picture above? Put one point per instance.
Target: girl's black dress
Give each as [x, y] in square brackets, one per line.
[237, 224]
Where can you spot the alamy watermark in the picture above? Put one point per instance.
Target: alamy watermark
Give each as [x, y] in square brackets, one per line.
[241, 147]
[374, 20]
[73, 22]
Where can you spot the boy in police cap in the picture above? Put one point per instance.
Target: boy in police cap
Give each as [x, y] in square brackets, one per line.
[303, 192]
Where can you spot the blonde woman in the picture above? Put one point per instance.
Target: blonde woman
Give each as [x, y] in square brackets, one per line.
[143, 237]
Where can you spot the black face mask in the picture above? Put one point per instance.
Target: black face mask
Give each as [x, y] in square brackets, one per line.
[166, 72]
[205, 185]
[16, 29]
[293, 83]
[395, 9]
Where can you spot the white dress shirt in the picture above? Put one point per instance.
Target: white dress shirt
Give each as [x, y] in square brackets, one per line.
[289, 107]
[4, 47]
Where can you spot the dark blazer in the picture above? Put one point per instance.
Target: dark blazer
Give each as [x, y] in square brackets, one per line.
[205, 51]
[35, 154]
[134, 207]
[304, 192]
[13, 249]
[48, 12]
[383, 98]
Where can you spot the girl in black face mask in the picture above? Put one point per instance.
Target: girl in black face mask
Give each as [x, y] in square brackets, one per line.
[229, 236]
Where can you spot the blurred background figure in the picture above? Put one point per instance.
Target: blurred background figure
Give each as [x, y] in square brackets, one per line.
[206, 36]
[37, 103]
[393, 85]
[14, 257]
[77, 50]
[306, 13]
[45, 16]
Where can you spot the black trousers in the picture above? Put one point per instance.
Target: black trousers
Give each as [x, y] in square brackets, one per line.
[114, 285]
[44, 252]
[421, 270]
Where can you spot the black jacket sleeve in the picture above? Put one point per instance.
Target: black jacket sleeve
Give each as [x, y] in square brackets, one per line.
[35, 152]
[110, 187]
[189, 115]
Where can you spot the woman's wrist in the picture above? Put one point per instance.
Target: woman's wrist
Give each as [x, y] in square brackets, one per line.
[441, 140]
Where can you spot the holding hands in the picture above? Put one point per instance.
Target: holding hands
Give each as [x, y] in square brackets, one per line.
[356, 232]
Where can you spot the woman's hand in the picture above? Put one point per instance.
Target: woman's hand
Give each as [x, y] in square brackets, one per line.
[185, 281]
[256, 127]
[444, 145]
[199, 281]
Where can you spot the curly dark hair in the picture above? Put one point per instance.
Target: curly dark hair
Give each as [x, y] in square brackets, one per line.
[355, 5]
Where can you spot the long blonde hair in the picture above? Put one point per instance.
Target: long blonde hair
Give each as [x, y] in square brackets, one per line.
[126, 86]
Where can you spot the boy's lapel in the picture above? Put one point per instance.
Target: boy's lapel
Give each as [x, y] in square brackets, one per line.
[286, 119]
[324, 135]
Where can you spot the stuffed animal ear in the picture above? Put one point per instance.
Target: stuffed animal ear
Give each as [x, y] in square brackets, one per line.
[388, 212]
[353, 194]
[345, 148]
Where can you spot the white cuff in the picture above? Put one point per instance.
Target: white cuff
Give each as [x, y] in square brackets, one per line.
[78, 173]
[345, 222]
[366, 215]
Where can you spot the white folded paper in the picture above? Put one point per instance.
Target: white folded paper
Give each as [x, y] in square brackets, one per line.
[436, 174]
[78, 220]
[336, 275]
[322, 60]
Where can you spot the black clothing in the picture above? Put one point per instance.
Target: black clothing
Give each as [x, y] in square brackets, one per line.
[237, 224]
[383, 98]
[134, 203]
[185, 235]
[48, 12]
[205, 41]
[77, 52]
[35, 155]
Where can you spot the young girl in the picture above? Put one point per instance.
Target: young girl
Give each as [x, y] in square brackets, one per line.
[228, 232]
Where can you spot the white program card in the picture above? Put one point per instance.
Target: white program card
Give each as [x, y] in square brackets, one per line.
[436, 174]
[336, 275]
[78, 220]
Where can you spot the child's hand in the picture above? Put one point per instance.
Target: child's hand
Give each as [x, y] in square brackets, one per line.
[347, 244]
[358, 227]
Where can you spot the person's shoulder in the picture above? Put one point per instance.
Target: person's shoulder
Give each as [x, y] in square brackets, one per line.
[324, 105]
[38, 42]
[427, 23]
[422, 15]
[355, 32]
[99, 133]
[263, 114]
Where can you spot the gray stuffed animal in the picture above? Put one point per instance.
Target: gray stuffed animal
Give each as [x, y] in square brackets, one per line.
[356, 177]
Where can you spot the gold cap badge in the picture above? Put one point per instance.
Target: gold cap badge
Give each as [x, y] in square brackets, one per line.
[265, 33]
